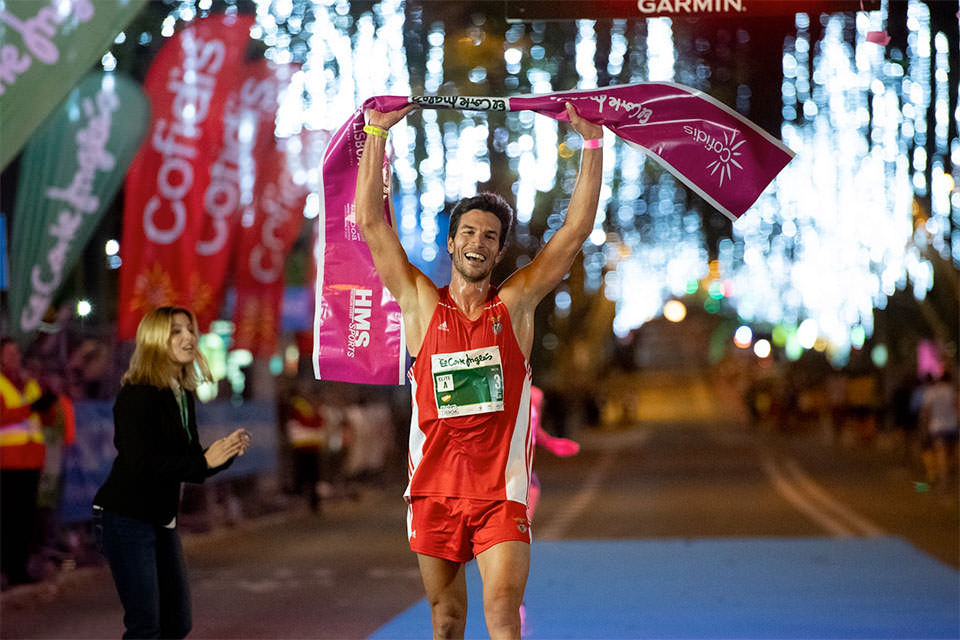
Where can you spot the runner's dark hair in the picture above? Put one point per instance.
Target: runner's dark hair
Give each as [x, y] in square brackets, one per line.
[484, 201]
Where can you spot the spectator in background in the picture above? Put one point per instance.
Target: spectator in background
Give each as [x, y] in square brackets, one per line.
[59, 432]
[372, 439]
[916, 398]
[21, 460]
[361, 430]
[89, 367]
[381, 420]
[303, 427]
[938, 416]
[335, 399]
[372, 431]
[905, 415]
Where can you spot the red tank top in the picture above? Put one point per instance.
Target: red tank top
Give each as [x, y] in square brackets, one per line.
[470, 429]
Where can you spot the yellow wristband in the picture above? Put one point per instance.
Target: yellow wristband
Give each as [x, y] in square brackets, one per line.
[375, 131]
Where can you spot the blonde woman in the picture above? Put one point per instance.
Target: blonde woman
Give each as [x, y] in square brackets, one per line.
[155, 433]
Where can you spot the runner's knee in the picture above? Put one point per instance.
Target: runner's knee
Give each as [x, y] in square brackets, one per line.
[449, 618]
[503, 601]
[502, 615]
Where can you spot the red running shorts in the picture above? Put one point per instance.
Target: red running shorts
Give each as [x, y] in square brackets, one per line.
[459, 529]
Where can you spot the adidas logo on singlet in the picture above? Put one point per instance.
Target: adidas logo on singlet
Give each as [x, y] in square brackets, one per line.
[442, 326]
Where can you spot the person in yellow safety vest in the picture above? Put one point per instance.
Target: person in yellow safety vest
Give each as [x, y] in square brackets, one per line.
[21, 461]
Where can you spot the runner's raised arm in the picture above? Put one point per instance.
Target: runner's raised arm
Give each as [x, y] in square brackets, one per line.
[524, 290]
[415, 292]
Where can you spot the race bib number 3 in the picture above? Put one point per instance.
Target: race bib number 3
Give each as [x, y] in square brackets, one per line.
[467, 382]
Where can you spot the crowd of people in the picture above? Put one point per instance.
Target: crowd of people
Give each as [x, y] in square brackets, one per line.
[336, 438]
[861, 406]
[333, 440]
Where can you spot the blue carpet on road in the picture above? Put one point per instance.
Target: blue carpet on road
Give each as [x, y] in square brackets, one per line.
[724, 588]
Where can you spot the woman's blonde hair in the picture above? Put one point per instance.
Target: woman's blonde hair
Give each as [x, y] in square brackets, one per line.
[151, 362]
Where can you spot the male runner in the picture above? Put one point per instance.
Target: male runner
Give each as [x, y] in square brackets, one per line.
[470, 440]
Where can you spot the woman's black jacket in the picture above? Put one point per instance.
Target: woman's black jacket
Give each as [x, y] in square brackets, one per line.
[154, 455]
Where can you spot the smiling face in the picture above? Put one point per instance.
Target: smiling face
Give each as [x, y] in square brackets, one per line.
[183, 339]
[475, 247]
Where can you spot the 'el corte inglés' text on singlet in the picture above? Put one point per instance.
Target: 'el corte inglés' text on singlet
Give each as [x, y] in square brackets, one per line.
[467, 382]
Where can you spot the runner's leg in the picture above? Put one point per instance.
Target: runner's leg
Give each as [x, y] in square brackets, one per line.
[446, 587]
[503, 569]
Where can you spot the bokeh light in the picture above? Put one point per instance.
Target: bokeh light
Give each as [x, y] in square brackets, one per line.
[761, 348]
[674, 311]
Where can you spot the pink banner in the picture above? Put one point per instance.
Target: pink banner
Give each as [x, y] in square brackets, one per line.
[357, 330]
[722, 156]
[719, 154]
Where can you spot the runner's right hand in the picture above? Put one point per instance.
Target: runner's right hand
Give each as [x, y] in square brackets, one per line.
[385, 120]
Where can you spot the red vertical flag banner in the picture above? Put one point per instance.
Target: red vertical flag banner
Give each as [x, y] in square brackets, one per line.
[269, 230]
[175, 245]
[252, 103]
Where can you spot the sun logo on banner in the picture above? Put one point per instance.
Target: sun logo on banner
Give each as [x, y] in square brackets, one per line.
[726, 156]
[154, 288]
[725, 152]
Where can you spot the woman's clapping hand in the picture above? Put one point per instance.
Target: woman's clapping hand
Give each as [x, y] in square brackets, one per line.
[222, 450]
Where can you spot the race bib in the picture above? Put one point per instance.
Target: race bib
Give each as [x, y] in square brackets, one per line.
[467, 382]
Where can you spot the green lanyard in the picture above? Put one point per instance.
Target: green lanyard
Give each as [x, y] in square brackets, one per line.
[184, 417]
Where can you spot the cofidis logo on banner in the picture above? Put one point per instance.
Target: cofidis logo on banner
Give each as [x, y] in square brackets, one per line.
[721, 149]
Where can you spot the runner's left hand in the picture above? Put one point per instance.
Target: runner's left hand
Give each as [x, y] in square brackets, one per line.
[585, 128]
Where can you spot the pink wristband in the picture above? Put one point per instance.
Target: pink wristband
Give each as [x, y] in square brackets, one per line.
[596, 143]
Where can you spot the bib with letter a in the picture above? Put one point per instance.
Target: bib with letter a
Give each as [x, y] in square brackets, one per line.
[470, 429]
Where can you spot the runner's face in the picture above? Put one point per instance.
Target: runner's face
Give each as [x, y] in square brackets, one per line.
[183, 339]
[475, 247]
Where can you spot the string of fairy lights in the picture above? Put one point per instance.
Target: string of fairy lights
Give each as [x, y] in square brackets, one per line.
[823, 247]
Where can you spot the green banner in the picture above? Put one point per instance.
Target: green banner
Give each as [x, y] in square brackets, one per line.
[45, 46]
[69, 173]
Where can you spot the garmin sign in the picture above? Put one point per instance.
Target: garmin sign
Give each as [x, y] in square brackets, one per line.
[522, 10]
[688, 6]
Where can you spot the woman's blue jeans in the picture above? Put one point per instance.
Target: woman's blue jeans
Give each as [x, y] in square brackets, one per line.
[148, 570]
